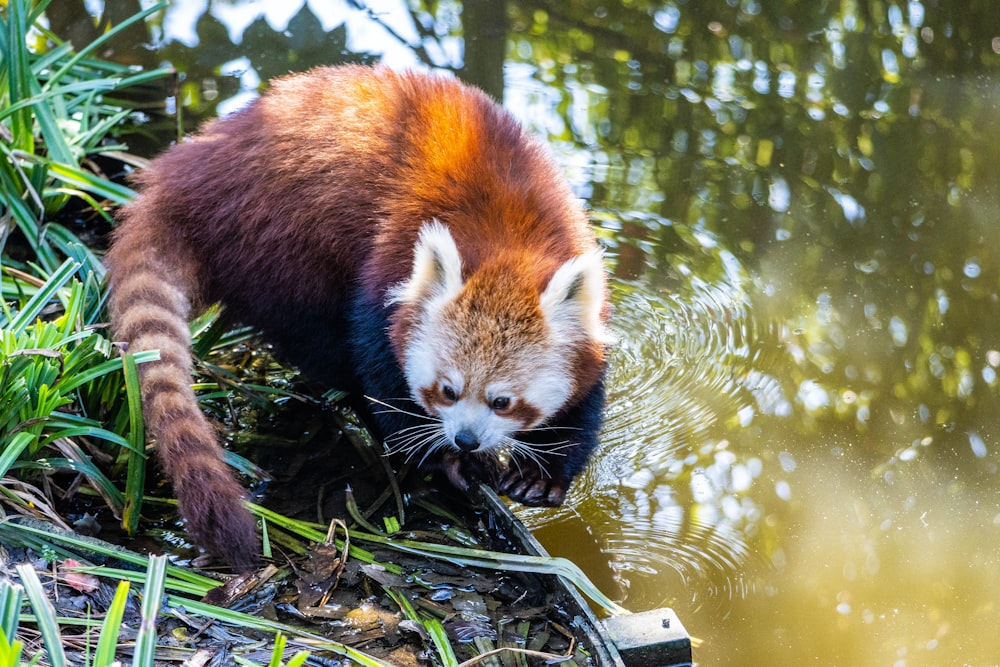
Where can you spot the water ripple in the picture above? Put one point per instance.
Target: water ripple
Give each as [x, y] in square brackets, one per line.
[667, 493]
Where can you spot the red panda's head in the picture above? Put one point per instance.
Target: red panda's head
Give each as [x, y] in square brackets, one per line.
[492, 354]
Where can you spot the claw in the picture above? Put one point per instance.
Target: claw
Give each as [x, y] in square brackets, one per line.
[529, 487]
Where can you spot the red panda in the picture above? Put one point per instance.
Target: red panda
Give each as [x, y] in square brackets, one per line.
[396, 234]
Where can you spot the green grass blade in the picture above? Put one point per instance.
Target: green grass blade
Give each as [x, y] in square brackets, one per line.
[45, 615]
[85, 86]
[10, 650]
[86, 431]
[12, 450]
[106, 645]
[435, 630]
[74, 308]
[439, 637]
[10, 608]
[146, 76]
[50, 289]
[265, 625]
[462, 556]
[152, 598]
[172, 584]
[318, 534]
[79, 462]
[57, 145]
[495, 560]
[69, 245]
[279, 649]
[18, 530]
[136, 479]
[46, 61]
[298, 659]
[38, 10]
[104, 368]
[19, 75]
[12, 181]
[110, 34]
[85, 180]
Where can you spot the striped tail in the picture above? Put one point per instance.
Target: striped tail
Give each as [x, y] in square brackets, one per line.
[149, 305]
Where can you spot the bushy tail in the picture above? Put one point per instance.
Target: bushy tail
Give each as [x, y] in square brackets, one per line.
[149, 303]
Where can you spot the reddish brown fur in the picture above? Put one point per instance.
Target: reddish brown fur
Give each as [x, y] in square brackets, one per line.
[317, 189]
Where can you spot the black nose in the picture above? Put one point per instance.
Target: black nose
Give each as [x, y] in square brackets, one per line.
[466, 441]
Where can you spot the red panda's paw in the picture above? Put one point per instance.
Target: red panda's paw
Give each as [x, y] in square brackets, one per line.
[463, 470]
[529, 485]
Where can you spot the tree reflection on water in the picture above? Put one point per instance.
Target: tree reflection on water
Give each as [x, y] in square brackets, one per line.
[799, 203]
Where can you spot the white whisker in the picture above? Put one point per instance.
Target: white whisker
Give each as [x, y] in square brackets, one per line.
[535, 452]
[517, 453]
[415, 427]
[393, 408]
[436, 445]
[416, 437]
[427, 437]
[540, 448]
[556, 428]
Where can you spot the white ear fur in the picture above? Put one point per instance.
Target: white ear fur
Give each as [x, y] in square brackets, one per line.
[573, 301]
[437, 268]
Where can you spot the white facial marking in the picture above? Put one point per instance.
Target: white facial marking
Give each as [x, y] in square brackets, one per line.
[549, 388]
[478, 418]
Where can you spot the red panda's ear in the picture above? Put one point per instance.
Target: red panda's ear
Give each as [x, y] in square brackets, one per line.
[437, 268]
[573, 301]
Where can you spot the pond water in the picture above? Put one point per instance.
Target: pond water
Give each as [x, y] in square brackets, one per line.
[800, 204]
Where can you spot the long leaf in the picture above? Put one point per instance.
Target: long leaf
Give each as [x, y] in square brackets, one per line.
[493, 560]
[74, 307]
[10, 649]
[279, 648]
[265, 625]
[77, 461]
[82, 53]
[152, 598]
[45, 615]
[66, 172]
[435, 630]
[171, 584]
[10, 608]
[38, 10]
[17, 528]
[90, 432]
[32, 102]
[439, 637]
[12, 450]
[106, 645]
[69, 245]
[104, 368]
[34, 307]
[136, 478]
[57, 147]
[19, 74]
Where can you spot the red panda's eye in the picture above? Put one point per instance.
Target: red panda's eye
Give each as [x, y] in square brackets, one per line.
[500, 403]
[449, 393]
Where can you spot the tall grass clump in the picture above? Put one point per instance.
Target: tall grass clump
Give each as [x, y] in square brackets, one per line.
[62, 384]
